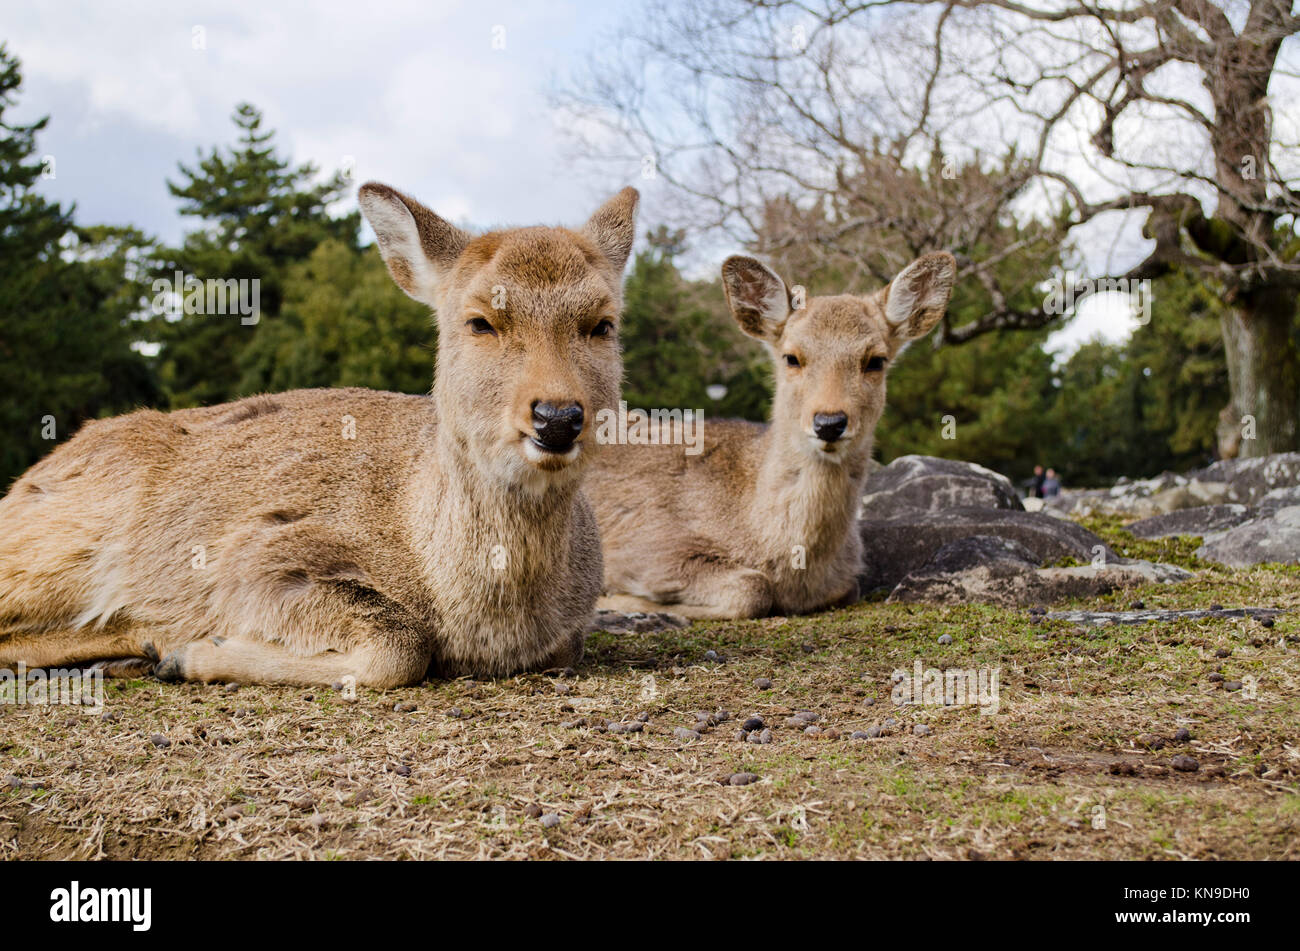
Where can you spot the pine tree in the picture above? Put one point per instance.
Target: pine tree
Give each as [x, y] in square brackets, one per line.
[259, 215]
[67, 299]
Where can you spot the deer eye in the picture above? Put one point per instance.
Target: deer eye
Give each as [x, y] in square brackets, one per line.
[791, 360]
[602, 329]
[874, 365]
[480, 326]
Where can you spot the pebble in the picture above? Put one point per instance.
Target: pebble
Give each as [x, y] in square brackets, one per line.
[945, 638]
[1232, 685]
[742, 736]
[1267, 622]
[1138, 606]
[1151, 741]
[859, 735]
[813, 731]
[642, 717]
[875, 731]
[702, 727]
[401, 769]
[1223, 652]
[232, 687]
[890, 723]
[1182, 735]
[550, 820]
[404, 708]
[1184, 763]
[762, 683]
[685, 735]
[752, 724]
[160, 741]
[533, 811]
[742, 779]
[1215, 678]
[456, 712]
[920, 729]
[759, 736]
[869, 702]
[721, 716]
[108, 716]
[710, 655]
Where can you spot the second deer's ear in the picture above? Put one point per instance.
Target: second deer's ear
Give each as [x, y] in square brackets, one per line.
[613, 227]
[418, 246]
[758, 298]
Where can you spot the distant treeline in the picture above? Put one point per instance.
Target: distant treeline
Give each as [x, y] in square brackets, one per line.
[92, 324]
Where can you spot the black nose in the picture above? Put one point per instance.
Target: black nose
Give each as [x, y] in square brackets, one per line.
[556, 427]
[830, 426]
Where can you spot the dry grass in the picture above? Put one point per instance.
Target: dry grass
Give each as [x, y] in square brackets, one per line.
[291, 773]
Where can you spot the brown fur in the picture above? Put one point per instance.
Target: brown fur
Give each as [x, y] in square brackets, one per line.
[764, 520]
[430, 541]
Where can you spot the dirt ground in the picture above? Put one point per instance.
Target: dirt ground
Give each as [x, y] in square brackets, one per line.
[1083, 758]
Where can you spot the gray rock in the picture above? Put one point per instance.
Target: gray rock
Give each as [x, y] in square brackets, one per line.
[1095, 618]
[895, 547]
[1250, 480]
[621, 622]
[1267, 538]
[685, 735]
[1000, 571]
[742, 779]
[930, 484]
[1199, 521]
[550, 820]
[920, 729]
[762, 683]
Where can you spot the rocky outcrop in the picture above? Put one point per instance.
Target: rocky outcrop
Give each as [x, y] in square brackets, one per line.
[1202, 520]
[930, 484]
[895, 547]
[1272, 537]
[1000, 571]
[944, 531]
[1233, 481]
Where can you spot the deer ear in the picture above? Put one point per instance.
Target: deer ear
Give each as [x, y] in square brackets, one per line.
[613, 227]
[917, 297]
[758, 298]
[418, 246]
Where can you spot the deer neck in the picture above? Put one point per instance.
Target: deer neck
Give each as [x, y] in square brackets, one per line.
[488, 540]
[805, 500]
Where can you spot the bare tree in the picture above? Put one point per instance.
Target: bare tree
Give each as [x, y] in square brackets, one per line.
[869, 132]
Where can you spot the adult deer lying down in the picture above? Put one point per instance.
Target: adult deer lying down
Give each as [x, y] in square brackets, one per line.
[764, 519]
[311, 536]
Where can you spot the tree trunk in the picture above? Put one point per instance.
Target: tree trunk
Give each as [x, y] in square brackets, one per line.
[1263, 376]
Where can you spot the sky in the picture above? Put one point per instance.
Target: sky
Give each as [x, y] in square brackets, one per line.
[444, 99]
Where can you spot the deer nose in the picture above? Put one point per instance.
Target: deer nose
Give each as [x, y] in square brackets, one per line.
[556, 427]
[830, 426]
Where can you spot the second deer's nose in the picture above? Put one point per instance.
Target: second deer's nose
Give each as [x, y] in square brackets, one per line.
[555, 427]
[830, 426]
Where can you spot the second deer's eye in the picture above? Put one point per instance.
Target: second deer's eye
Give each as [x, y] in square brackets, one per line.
[602, 329]
[874, 365]
[480, 326]
[791, 360]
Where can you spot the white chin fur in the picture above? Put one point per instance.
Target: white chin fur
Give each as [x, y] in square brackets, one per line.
[827, 451]
[537, 455]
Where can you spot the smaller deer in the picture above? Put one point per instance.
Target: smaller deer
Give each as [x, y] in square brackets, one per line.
[312, 536]
[764, 519]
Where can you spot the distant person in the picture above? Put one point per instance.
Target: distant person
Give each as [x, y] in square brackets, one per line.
[1036, 485]
[1051, 485]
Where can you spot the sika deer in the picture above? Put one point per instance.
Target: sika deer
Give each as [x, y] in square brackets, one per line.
[764, 519]
[316, 535]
